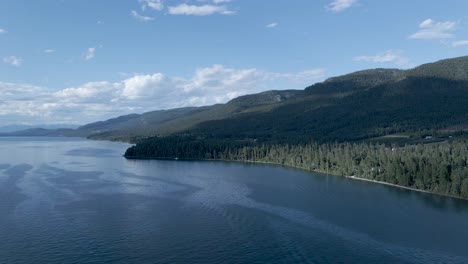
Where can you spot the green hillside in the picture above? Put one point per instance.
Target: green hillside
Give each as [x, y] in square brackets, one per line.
[452, 69]
[359, 106]
[410, 105]
[166, 122]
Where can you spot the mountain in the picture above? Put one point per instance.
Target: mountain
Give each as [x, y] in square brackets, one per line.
[40, 132]
[361, 105]
[428, 99]
[452, 69]
[166, 122]
[14, 128]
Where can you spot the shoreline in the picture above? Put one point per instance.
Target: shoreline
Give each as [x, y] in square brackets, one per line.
[403, 187]
[303, 169]
[397, 186]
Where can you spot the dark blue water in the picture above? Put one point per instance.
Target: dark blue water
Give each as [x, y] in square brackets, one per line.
[79, 201]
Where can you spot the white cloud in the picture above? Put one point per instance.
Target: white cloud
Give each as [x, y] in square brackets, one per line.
[13, 61]
[460, 43]
[429, 29]
[145, 86]
[272, 25]
[216, 1]
[49, 51]
[141, 17]
[199, 10]
[389, 56]
[88, 92]
[89, 54]
[3, 31]
[20, 102]
[18, 91]
[154, 4]
[95, 101]
[340, 5]
[219, 81]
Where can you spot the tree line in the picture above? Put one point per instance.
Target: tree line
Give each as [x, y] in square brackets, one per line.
[439, 167]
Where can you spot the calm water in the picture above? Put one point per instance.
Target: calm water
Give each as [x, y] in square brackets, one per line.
[79, 201]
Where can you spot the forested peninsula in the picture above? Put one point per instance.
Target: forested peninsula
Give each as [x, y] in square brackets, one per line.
[440, 168]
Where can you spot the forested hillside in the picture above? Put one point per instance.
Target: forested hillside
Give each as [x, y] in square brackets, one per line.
[166, 122]
[409, 105]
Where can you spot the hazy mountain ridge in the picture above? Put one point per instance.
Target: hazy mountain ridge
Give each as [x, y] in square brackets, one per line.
[40, 132]
[15, 128]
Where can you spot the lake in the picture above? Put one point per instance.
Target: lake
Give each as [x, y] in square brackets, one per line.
[68, 200]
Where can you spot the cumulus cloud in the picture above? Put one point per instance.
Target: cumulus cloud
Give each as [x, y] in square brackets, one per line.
[13, 61]
[89, 92]
[389, 56]
[430, 29]
[153, 4]
[340, 5]
[460, 43]
[3, 31]
[49, 51]
[95, 101]
[221, 1]
[272, 25]
[216, 1]
[21, 102]
[18, 91]
[141, 17]
[198, 10]
[89, 54]
[205, 8]
[140, 86]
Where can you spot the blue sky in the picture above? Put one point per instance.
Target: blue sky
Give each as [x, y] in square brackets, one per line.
[79, 61]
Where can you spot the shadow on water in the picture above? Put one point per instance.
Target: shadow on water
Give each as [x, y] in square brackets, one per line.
[4, 166]
[76, 163]
[10, 194]
[78, 182]
[179, 188]
[92, 152]
[37, 147]
[113, 206]
[66, 186]
[437, 202]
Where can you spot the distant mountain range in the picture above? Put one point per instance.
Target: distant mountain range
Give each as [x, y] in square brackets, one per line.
[16, 128]
[362, 105]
